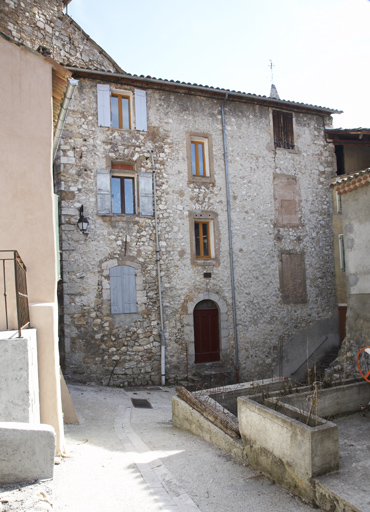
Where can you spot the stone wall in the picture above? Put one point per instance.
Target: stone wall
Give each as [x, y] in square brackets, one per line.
[36, 23]
[125, 348]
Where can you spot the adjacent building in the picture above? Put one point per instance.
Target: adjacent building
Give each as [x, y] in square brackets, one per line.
[354, 192]
[34, 87]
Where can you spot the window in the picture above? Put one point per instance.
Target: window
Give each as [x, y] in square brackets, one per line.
[293, 278]
[342, 260]
[122, 289]
[121, 109]
[339, 203]
[202, 239]
[123, 196]
[199, 157]
[283, 129]
[198, 164]
[122, 191]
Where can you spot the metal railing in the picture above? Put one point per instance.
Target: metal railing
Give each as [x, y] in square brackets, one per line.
[13, 281]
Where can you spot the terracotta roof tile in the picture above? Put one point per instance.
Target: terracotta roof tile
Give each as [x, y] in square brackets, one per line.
[347, 182]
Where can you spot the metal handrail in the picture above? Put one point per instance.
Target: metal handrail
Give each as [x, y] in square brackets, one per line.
[21, 295]
[312, 353]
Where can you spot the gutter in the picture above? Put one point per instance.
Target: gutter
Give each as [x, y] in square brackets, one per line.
[72, 83]
[231, 251]
[214, 91]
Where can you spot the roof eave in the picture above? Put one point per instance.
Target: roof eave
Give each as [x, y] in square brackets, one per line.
[159, 83]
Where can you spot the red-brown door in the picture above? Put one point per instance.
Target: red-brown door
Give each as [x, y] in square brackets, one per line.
[207, 345]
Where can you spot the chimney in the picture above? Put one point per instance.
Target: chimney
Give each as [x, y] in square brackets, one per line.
[273, 93]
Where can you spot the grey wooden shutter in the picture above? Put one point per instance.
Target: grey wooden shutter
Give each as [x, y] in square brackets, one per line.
[104, 117]
[104, 195]
[146, 194]
[123, 289]
[140, 110]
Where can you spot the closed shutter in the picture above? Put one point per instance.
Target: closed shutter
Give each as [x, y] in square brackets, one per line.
[277, 128]
[104, 105]
[104, 196]
[146, 194]
[140, 110]
[123, 289]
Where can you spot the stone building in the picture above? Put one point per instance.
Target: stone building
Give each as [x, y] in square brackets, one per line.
[279, 170]
[217, 199]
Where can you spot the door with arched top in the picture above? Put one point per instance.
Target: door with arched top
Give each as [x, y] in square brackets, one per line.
[206, 332]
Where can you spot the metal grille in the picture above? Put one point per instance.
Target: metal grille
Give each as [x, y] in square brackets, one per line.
[141, 403]
[14, 288]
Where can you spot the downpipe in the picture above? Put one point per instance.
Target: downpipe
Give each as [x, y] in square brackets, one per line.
[231, 253]
[157, 249]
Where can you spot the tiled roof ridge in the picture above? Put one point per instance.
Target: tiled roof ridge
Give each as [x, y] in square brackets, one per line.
[361, 129]
[348, 182]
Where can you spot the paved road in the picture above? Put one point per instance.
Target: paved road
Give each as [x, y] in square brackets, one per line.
[126, 459]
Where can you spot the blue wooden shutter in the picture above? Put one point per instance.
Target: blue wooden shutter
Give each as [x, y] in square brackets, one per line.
[146, 194]
[140, 110]
[104, 195]
[104, 117]
[123, 289]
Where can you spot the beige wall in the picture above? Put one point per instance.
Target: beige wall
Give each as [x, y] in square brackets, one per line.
[26, 208]
[356, 158]
[340, 275]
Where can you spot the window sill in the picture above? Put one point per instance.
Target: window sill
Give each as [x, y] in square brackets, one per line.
[204, 262]
[202, 180]
[293, 150]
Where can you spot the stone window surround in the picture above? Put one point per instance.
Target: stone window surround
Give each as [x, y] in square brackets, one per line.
[206, 138]
[132, 171]
[272, 138]
[212, 218]
[223, 327]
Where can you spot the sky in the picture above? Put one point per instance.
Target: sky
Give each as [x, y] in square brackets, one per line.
[319, 48]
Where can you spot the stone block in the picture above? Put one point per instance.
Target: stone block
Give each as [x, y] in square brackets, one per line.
[19, 387]
[26, 452]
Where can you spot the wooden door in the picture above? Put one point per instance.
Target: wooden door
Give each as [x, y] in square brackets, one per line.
[206, 333]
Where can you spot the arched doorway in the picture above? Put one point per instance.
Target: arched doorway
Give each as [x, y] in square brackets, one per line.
[206, 332]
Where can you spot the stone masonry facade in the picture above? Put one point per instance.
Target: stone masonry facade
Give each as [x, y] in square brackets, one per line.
[280, 206]
[41, 23]
[98, 342]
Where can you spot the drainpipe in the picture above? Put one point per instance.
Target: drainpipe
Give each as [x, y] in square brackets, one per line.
[161, 327]
[72, 83]
[230, 241]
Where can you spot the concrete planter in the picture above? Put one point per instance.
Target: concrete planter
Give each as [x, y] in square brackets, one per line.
[281, 444]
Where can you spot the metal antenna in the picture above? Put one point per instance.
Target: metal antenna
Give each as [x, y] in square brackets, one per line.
[271, 66]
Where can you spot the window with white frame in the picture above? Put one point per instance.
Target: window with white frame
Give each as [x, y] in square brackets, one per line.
[342, 260]
[339, 203]
[121, 109]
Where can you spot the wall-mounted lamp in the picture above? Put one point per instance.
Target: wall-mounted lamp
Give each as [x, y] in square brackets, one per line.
[82, 223]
